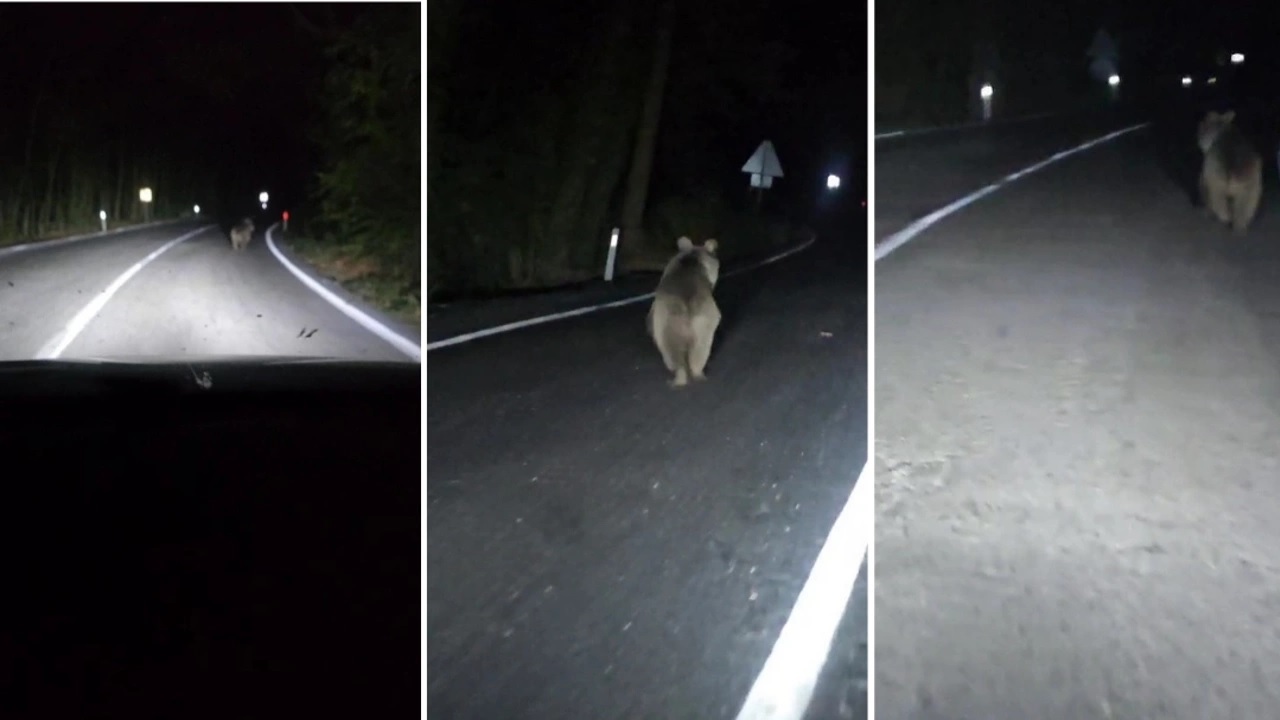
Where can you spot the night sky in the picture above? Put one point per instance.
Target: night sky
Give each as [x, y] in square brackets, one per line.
[225, 92]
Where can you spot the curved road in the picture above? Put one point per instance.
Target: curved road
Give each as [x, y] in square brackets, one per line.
[195, 298]
[1077, 468]
[604, 546]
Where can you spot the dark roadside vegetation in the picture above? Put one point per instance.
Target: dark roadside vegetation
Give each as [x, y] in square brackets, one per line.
[1043, 56]
[933, 58]
[637, 115]
[210, 105]
[363, 226]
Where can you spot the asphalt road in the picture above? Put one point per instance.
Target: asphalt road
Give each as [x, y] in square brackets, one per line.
[196, 298]
[1077, 407]
[601, 545]
[917, 174]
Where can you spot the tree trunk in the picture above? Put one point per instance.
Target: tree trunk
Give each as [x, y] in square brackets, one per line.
[118, 208]
[587, 142]
[49, 208]
[647, 134]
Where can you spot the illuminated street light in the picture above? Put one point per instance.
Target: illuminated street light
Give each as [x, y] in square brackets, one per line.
[833, 182]
[1237, 58]
[196, 209]
[262, 196]
[145, 195]
[1114, 80]
[986, 92]
[1186, 81]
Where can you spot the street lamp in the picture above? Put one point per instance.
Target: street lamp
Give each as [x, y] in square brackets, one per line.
[196, 209]
[1186, 81]
[833, 182]
[262, 198]
[1237, 58]
[1113, 81]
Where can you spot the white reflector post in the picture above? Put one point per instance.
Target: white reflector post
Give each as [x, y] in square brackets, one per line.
[613, 254]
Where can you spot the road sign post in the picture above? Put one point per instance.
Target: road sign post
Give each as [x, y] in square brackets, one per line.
[763, 166]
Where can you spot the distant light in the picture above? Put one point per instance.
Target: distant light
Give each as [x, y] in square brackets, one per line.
[262, 197]
[264, 206]
[145, 195]
[1213, 81]
[1237, 58]
[286, 216]
[613, 238]
[986, 92]
[1186, 81]
[102, 214]
[197, 209]
[833, 182]
[1114, 80]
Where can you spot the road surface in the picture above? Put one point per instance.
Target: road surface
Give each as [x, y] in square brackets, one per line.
[195, 298]
[604, 546]
[1077, 469]
[917, 174]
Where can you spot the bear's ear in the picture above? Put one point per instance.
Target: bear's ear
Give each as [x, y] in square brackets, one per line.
[684, 243]
[710, 246]
[1228, 116]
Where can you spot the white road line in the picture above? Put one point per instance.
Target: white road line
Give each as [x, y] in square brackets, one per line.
[368, 322]
[42, 244]
[785, 686]
[59, 343]
[518, 324]
[964, 126]
[903, 236]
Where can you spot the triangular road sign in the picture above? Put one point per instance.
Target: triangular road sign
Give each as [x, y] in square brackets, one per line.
[764, 162]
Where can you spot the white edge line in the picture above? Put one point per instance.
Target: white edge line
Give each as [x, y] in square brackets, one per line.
[368, 322]
[964, 126]
[785, 685]
[59, 343]
[518, 324]
[903, 236]
[56, 242]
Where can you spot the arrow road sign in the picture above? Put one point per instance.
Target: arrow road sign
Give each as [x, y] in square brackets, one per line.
[763, 166]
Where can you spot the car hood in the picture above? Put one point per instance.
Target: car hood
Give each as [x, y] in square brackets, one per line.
[202, 375]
